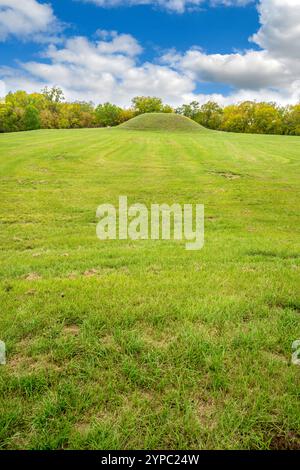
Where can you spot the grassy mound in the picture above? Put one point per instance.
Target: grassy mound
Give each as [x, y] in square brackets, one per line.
[162, 122]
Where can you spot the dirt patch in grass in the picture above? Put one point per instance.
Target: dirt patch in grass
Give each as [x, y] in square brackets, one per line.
[90, 272]
[22, 363]
[289, 441]
[72, 275]
[276, 357]
[107, 340]
[32, 277]
[71, 330]
[155, 340]
[288, 305]
[91, 420]
[82, 427]
[147, 395]
[228, 174]
[205, 409]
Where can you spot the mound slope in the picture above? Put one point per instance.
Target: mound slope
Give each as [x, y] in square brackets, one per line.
[162, 122]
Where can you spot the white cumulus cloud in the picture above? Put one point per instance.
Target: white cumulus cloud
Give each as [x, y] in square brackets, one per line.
[252, 70]
[105, 70]
[273, 72]
[280, 27]
[27, 19]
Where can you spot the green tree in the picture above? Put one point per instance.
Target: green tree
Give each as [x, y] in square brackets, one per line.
[31, 118]
[291, 120]
[54, 94]
[267, 119]
[126, 114]
[189, 110]
[233, 119]
[18, 99]
[147, 104]
[77, 114]
[108, 114]
[54, 98]
[210, 115]
[11, 118]
[167, 109]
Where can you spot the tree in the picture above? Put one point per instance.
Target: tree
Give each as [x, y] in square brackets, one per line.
[167, 109]
[54, 94]
[147, 104]
[38, 100]
[210, 115]
[267, 119]
[76, 115]
[31, 118]
[249, 116]
[11, 118]
[54, 97]
[291, 120]
[18, 99]
[239, 117]
[108, 114]
[189, 110]
[233, 119]
[126, 114]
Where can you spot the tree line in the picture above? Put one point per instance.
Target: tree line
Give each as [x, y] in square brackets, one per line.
[48, 109]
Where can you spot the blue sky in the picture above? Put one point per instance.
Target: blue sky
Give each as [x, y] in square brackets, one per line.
[177, 49]
[216, 29]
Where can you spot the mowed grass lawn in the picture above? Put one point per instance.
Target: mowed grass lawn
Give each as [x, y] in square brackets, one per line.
[142, 344]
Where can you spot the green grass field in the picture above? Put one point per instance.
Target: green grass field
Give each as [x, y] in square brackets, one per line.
[142, 344]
